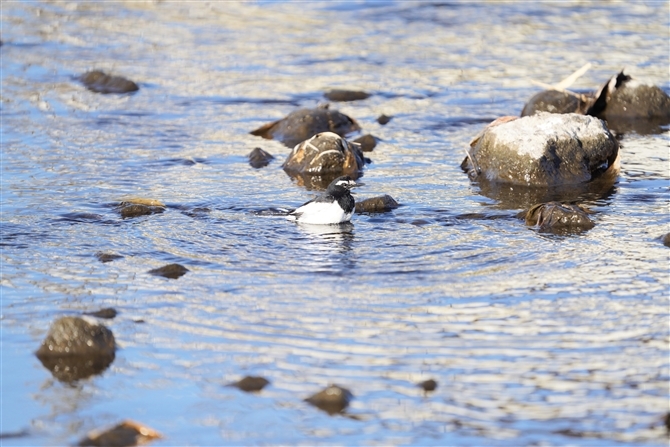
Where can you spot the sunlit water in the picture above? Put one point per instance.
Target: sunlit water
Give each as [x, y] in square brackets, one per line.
[534, 339]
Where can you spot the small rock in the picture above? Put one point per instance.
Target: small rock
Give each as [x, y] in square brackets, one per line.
[250, 383]
[325, 153]
[338, 95]
[332, 400]
[384, 119]
[367, 142]
[99, 82]
[107, 313]
[126, 434]
[258, 158]
[381, 204]
[135, 207]
[171, 271]
[555, 216]
[107, 257]
[303, 124]
[666, 240]
[543, 150]
[428, 385]
[554, 101]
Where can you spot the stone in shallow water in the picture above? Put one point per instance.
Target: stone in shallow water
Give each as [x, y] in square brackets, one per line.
[258, 158]
[384, 119]
[250, 383]
[325, 153]
[303, 124]
[428, 385]
[125, 434]
[107, 257]
[171, 271]
[666, 240]
[543, 150]
[555, 216]
[381, 204]
[339, 95]
[99, 82]
[332, 400]
[137, 206]
[107, 313]
[554, 101]
[367, 142]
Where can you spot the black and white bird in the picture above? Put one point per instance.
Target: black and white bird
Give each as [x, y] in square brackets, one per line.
[335, 206]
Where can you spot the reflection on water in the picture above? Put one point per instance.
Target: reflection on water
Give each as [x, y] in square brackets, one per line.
[534, 338]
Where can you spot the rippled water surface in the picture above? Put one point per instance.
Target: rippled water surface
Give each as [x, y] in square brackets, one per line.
[534, 339]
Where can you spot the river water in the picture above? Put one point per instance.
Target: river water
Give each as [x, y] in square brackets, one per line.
[534, 339]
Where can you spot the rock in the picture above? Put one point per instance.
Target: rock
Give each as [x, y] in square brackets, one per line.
[332, 400]
[543, 150]
[258, 158]
[384, 119]
[171, 271]
[367, 142]
[135, 207]
[381, 204]
[127, 433]
[625, 97]
[107, 257]
[76, 348]
[558, 217]
[666, 240]
[338, 95]
[302, 124]
[99, 82]
[250, 383]
[107, 313]
[428, 385]
[325, 153]
[554, 101]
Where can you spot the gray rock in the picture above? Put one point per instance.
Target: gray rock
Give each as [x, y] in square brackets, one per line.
[332, 400]
[258, 158]
[554, 101]
[302, 124]
[107, 257]
[543, 150]
[381, 204]
[625, 97]
[99, 82]
[171, 271]
[339, 95]
[325, 153]
[107, 313]
[558, 217]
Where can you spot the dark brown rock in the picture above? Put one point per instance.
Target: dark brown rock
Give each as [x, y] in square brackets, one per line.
[625, 97]
[428, 385]
[554, 101]
[258, 158]
[381, 204]
[338, 95]
[99, 82]
[303, 124]
[107, 257]
[666, 240]
[136, 207]
[107, 313]
[126, 434]
[325, 153]
[367, 142]
[384, 119]
[251, 384]
[558, 217]
[332, 400]
[171, 271]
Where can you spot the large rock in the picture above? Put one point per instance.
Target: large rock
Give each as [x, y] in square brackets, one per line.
[543, 150]
[302, 124]
[325, 153]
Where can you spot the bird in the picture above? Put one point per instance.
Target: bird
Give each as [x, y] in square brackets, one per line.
[336, 206]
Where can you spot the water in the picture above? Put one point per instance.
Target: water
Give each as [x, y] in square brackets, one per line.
[533, 338]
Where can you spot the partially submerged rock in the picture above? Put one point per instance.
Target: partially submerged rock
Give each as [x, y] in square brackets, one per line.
[543, 150]
[171, 271]
[428, 385]
[558, 217]
[381, 204]
[126, 434]
[554, 101]
[99, 82]
[332, 400]
[76, 348]
[666, 240]
[325, 153]
[367, 142]
[107, 313]
[250, 383]
[340, 95]
[136, 206]
[107, 257]
[258, 158]
[384, 119]
[302, 124]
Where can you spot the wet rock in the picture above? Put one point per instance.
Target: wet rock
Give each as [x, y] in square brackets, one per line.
[99, 82]
[250, 383]
[135, 207]
[625, 97]
[381, 204]
[367, 142]
[428, 385]
[332, 400]
[107, 313]
[338, 95]
[171, 271]
[107, 257]
[558, 217]
[554, 101]
[666, 240]
[303, 124]
[126, 434]
[325, 153]
[258, 158]
[543, 150]
[384, 119]
[76, 348]
[667, 421]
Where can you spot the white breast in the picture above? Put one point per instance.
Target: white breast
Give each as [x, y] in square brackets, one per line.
[324, 213]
